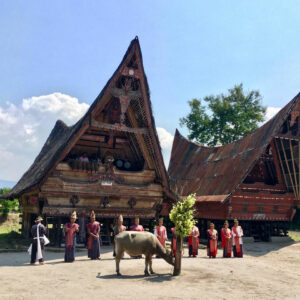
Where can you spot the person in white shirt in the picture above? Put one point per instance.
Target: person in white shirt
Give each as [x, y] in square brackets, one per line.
[237, 241]
[161, 233]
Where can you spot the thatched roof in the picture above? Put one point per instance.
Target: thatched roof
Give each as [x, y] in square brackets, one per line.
[62, 135]
[208, 171]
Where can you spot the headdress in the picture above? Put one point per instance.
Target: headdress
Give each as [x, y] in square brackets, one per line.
[226, 222]
[235, 220]
[38, 218]
[120, 218]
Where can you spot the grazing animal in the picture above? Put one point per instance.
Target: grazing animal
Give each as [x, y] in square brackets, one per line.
[137, 243]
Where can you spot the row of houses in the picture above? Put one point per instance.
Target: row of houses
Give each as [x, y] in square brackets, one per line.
[110, 161]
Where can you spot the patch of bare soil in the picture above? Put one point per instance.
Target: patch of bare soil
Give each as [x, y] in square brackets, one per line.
[268, 271]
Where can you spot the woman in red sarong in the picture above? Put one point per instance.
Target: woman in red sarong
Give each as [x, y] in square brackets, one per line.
[193, 242]
[226, 240]
[71, 229]
[93, 244]
[118, 228]
[212, 241]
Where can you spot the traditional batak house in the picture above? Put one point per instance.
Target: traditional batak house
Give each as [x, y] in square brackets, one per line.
[255, 179]
[125, 172]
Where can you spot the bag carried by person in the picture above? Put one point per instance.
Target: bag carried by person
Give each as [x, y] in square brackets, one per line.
[29, 249]
[46, 240]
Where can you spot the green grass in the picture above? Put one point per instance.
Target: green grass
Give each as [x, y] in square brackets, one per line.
[10, 238]
[295, 235]
[9, 228]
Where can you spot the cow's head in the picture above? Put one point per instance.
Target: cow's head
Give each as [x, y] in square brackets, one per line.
[170, 257]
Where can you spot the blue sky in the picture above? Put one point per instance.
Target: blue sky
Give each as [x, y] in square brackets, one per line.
[190, 49]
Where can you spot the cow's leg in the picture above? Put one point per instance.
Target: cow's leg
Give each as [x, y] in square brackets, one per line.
[119, 255]
[150, 266]
[146, 265]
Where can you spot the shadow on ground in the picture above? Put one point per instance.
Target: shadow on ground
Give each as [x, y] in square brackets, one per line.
[263, 248]
[51, 257]
[151, 278]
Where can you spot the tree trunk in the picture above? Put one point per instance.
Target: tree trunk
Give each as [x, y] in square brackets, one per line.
[178, 254]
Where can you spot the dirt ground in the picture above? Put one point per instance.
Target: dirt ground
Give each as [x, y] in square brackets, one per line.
[268, 271]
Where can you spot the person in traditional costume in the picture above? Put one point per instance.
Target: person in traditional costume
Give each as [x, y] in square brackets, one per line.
[173, 230]
[160, 232]
[38, 231]
[237, 241]
[226, 240]
[71, 229]
[212, 241]
[93, 244]
[137, 227]
[193, 241]
[119, 227]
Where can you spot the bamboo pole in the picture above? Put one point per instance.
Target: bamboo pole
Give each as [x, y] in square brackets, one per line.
[288, 167]
[294, 169]
[281, 163]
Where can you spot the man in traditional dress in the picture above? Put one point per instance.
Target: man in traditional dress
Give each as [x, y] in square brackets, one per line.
[71, 229]
[226, 240]
[137, 227]
[212, 241]
[93, 244]
[37, 248]
[119, 227]
[193, 242]
[237, 241]
[160, 232]
[173, 230]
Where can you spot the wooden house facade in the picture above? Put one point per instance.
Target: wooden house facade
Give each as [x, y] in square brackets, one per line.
[110, 161]
[255, 179]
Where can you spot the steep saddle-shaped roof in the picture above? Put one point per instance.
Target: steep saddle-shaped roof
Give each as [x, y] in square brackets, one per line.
[62, 137]
[214, 173]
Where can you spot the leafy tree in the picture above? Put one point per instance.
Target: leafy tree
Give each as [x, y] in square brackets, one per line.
[225, 118]
[182, 215]
[8, 205]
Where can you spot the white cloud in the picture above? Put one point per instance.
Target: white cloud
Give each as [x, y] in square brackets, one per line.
[271, 112]
[166, 141]
[24, 129]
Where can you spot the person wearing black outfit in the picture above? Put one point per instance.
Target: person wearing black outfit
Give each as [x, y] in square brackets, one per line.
[37, 251]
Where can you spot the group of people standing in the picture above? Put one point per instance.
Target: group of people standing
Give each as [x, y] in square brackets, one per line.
[193, 241]
[231, 239]
[71, 228]
[93, 242]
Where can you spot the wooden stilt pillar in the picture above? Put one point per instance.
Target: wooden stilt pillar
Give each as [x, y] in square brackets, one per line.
[58, 232]
[82, 229]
